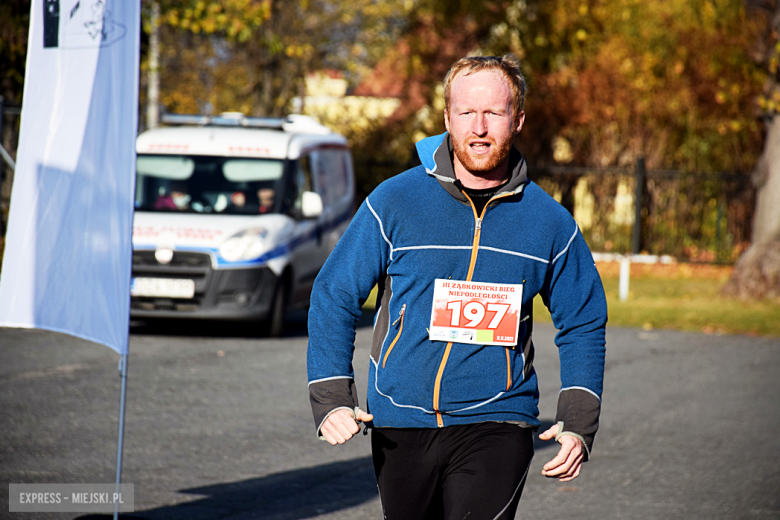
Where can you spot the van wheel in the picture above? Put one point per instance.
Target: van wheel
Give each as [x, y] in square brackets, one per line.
[275, 322]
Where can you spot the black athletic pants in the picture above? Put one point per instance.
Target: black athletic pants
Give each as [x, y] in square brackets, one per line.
[473, 471]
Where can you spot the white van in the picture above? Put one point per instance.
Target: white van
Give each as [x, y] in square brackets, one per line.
[235, 216]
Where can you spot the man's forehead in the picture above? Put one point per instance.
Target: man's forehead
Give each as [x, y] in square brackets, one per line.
[486, 81]
[482, 74]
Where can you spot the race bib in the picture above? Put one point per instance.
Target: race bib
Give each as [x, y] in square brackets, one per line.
[476, 312]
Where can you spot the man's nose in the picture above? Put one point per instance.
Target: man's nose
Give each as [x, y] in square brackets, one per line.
[479, 124]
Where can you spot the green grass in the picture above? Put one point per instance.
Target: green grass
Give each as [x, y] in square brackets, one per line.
[677, 297]
[681, 298]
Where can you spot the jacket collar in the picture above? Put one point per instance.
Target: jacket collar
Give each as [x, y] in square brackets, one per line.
[436, 156]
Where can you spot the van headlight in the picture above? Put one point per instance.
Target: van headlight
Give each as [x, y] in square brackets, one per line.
[246, 245]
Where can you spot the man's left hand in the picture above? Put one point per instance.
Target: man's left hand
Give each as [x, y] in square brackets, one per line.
[566, 465]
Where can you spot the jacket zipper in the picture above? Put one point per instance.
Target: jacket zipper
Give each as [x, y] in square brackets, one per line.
[400, 329]
[508, 370]
[472, 263]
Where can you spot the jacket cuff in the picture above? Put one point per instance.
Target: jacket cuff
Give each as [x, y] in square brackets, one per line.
[579, 410]
[330, 395]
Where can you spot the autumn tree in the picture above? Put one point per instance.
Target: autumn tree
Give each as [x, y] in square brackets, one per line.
[612, 80]
[674, 82]
[253, 55]
[757, 273]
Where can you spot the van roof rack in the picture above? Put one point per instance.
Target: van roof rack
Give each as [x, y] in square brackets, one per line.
[291, 123]
[226, 119]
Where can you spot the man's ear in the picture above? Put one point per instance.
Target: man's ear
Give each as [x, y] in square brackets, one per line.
[519, 122]
[446, 120]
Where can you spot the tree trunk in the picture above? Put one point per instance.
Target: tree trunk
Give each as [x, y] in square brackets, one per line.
[757, 273]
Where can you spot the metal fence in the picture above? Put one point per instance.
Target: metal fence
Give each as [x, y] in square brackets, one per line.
[692, 216]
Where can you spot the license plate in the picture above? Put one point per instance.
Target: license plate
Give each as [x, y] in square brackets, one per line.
[163, 287]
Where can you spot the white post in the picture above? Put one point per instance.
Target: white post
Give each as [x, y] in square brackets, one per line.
[625, 269]
[120, 443]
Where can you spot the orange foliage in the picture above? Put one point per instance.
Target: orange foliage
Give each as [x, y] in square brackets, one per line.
[675, 81]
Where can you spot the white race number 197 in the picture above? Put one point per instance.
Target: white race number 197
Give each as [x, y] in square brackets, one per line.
[474, 312]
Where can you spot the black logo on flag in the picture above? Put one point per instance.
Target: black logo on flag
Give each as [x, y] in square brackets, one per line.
[51, 23]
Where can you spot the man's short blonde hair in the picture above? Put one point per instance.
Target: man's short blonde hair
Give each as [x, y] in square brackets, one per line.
[506, 64]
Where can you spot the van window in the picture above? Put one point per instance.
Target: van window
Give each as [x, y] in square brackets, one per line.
[165, 166]
[245, 170]
[332, 175]
[303, 181]
[204, 184]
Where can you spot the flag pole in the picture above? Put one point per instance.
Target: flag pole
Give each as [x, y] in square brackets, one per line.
[122, 399]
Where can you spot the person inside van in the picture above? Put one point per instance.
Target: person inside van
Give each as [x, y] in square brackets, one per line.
[238, 199]
[266, 198]
[175, 198]
[241, 203]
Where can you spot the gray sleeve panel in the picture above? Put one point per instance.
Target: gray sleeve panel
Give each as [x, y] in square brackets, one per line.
[382, 320]
[579, 410]
[326, 396]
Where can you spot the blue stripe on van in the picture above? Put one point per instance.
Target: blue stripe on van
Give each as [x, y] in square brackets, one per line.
[279, 251]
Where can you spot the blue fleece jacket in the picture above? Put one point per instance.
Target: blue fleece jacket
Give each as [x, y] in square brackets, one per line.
[419, 226]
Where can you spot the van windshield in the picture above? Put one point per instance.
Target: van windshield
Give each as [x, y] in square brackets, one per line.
[204, 184]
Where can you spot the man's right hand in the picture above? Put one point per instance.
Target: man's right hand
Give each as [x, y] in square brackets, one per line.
[342, 425]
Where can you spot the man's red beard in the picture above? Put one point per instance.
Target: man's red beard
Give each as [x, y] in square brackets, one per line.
[482, 163]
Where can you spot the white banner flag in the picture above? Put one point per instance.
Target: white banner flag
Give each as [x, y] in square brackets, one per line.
[68, 249]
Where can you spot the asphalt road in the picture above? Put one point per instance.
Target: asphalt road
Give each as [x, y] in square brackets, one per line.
[219, 427]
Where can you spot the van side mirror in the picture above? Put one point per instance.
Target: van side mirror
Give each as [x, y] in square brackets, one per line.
[311, 204]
